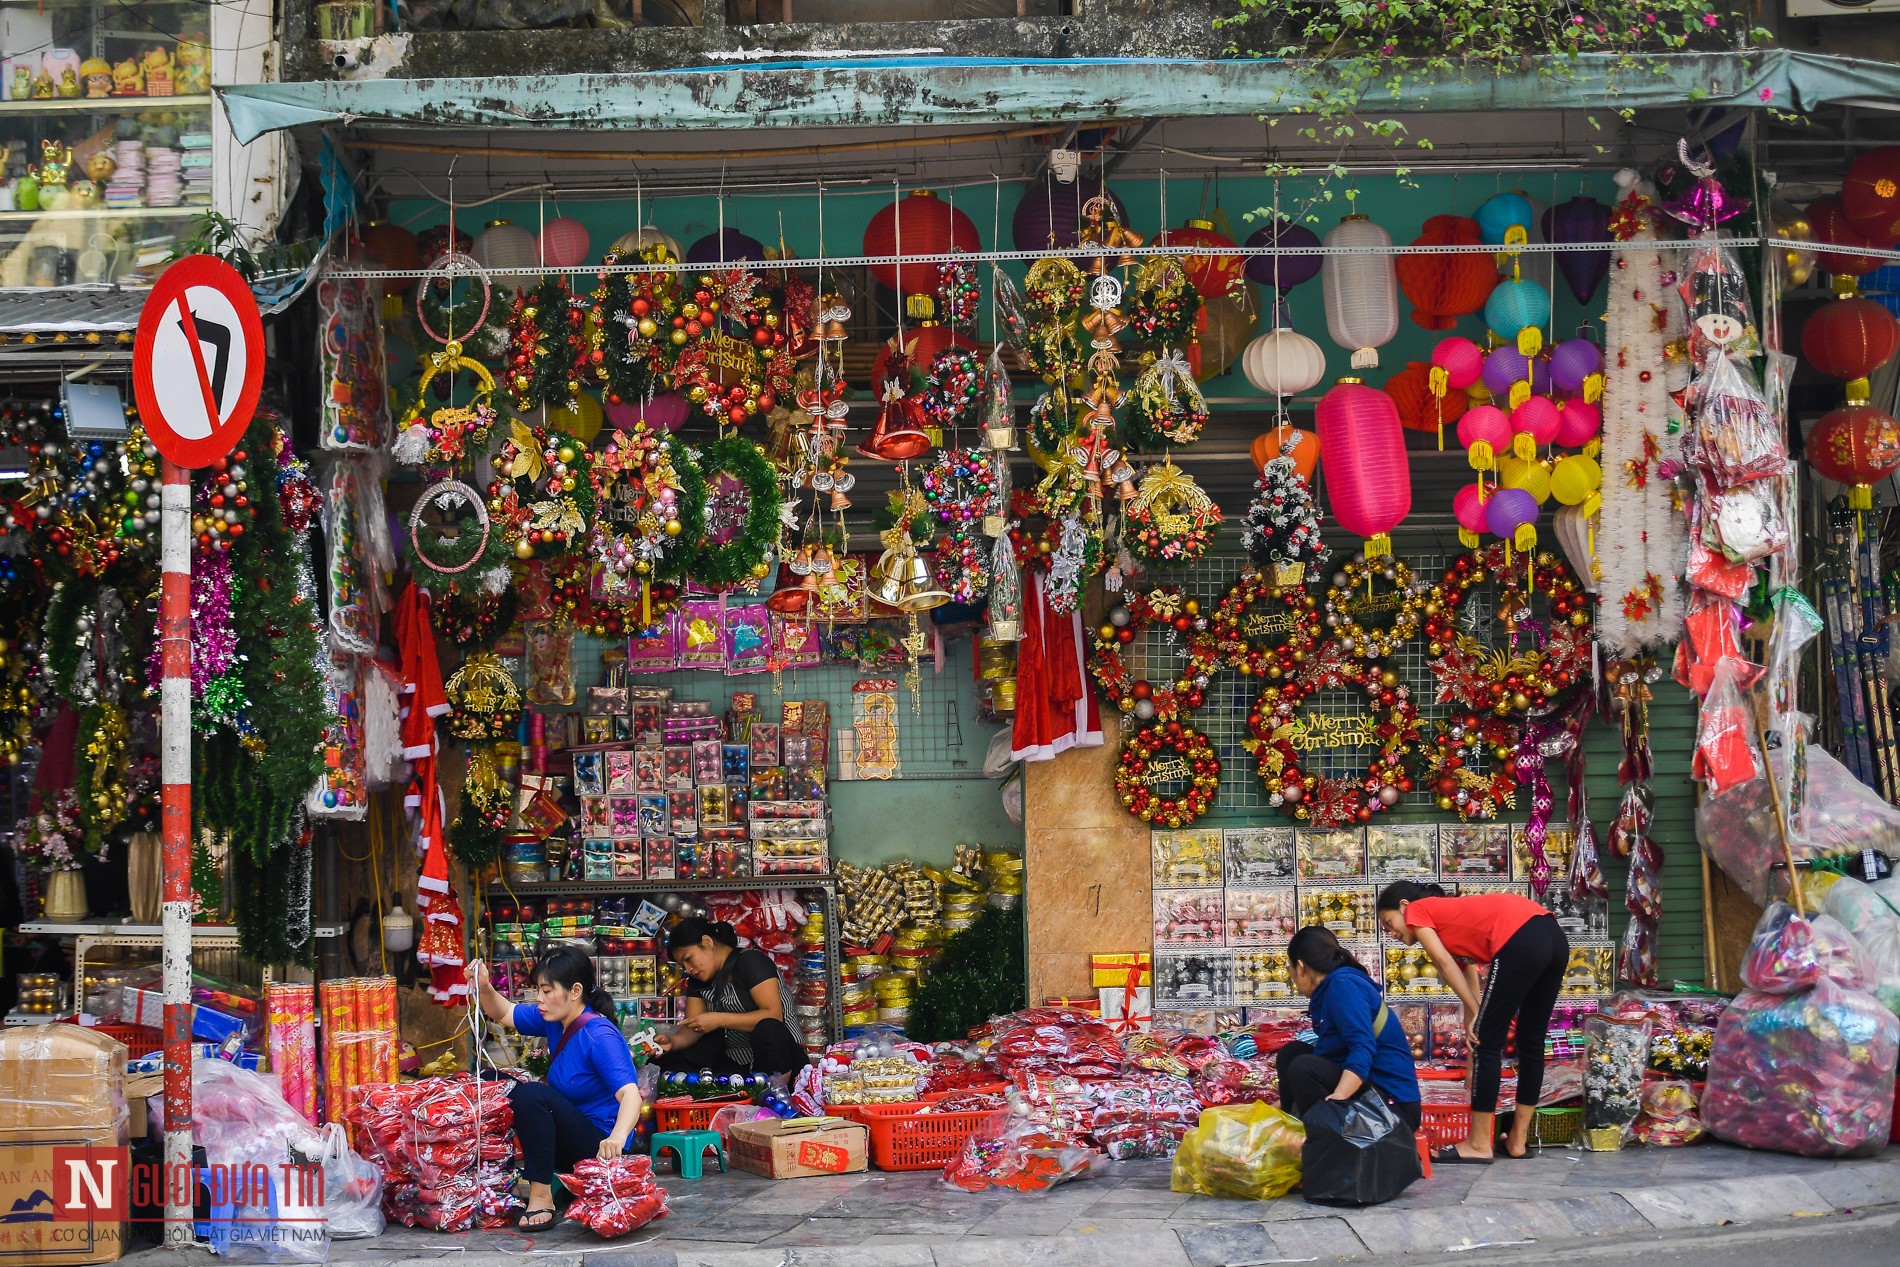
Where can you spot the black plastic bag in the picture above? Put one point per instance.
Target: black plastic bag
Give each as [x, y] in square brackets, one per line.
[1357, 1152]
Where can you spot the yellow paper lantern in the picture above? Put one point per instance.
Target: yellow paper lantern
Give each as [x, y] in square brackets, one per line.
[1528, 474]
[1574, 478]
[583, 425]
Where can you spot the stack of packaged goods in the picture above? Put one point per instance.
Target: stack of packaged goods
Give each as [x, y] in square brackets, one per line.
[859, 999]
[963, 890]
[811, 984]
[612, 1198]
[446, 1147]
[290, 1012]
[126, 188]
[359, 1039]
[195, 166]
[872, 1078]
[1006, 878]
[164, 181]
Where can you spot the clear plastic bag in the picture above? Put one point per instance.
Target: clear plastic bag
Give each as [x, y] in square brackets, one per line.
[1250, 1151]
[1875, 923]
[247, 1129]
[1838, 814]
[1838, 952]
[1726, 754]
[1032, 1150]
[1614, 1054]
[1735, 436]
[352, 1189]
[1669, 1118]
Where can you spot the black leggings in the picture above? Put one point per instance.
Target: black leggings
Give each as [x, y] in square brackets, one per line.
[554, 1133]
[1526, 975]
[1306, 1079]
[774, 1050]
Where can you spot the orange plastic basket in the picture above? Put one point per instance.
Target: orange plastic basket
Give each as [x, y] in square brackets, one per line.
[1444, 1124]
[139, 1040]
[904, 1137]
[680, 1114]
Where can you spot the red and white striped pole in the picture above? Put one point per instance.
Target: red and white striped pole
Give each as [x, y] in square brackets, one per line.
[174, 618]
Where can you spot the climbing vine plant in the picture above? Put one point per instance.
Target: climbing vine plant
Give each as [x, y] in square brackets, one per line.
[1350, 54]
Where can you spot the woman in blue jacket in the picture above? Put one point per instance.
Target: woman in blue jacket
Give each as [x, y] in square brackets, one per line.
[1357, 1040]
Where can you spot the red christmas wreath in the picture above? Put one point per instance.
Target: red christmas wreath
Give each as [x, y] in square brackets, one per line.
[1167, 753]
[1117, 683]
[1452, 774]
[1532, 680]
[1279, 736]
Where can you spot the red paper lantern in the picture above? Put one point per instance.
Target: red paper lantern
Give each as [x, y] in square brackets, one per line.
[1305, 453]
[1212, 273]
[1832, 228]
[1443, 288]
[390, 246]
[921, 345]
[1419, 410]
[1850, 338]
[1870, 195]
[1856, 445]
[921, 224]
[564, 242]
[1368, 477]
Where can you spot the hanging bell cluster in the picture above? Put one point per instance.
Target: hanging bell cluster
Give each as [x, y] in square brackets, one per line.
[901, 578]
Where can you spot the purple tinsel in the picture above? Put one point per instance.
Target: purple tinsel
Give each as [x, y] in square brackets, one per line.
[213, 640]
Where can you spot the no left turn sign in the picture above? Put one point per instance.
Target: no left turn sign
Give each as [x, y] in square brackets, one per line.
[198, 360]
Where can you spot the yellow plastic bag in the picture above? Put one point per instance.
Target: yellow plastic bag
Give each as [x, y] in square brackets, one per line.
[1251, 1151]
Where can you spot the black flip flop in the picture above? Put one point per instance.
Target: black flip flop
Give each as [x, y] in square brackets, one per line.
[1450, 1156]
[523, 1225]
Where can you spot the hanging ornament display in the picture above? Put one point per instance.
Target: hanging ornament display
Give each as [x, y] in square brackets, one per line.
[450, 434]
[958, 295]
[1167, 405]
[1288, 441]
[1870, 193]
[917, 225]
[471, 620]
[1856, 445]
[454, 547]
[1369, 626]
[484, 701]
[1470, 766]
[548, 353]
[732, 362]
[1544, 662]
[1421, 408]
[1168, 774]
[959, 488]
[1284, 742]
[1281, 533]
[1283, 362]
[543, 500]
[1282, 269]
[1164, 304]
[953, 388]
[1213, 267]
[1143, 698]
[631, 327]
[1170, 520]
[651, 505]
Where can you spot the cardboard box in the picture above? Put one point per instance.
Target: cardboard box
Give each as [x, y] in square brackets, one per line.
[799, 1148]
[61, 1086]
[140, 1090]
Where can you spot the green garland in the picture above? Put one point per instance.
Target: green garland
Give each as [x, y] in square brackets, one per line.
[59, 636]
[547, 350]
[723, 566]
[463, 567]
[693, 497]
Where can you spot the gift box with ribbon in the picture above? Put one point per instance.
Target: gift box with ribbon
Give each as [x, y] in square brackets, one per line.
[1112, 970]
[1086, 1003]
[1127, 1009]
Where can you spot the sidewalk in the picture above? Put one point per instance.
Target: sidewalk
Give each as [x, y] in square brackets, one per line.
[1126, 1214]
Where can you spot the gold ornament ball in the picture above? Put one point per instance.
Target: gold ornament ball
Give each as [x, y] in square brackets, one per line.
[697, 394]
[643, 567]
[1520, 701]
[674, 528]
[566, 453]
[530, 312]
[677, 338]
[523, 550]
[1444, 802]
[1193, 607]
[761, 569]
[648, 327]
[1388, 679]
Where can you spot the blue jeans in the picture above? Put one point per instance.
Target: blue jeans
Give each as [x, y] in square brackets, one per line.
[554, 1133]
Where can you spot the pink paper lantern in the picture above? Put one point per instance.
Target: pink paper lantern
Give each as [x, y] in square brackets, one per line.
[1511, 513]
[664, 413]
[1467, 507]
[1461, 359]
[1538, 418]
[1368, 477]
[1485, 432]
[1579, 422]
[564, 242]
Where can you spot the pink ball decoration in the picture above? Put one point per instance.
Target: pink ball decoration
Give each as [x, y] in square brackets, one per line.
[1461, 359]
[1578, 423]
[1511, 513]
[1467, 507]
[666, 412]
[1368, 477]
[1486, 423]
[564, 242]
[1572, 361]
[1506, 365]
[1538, 418]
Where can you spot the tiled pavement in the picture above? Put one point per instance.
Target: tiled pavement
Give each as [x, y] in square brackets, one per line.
[1125, 1213]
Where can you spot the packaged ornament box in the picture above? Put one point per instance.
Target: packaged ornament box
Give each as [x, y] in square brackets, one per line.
[1194, 979]
[1560, 841]
[1404, 852]
[1261, 917]
[1263, 977]
[1474, 851]
[1189, 917]
[1258, 855]
[1410, 973]
[1338, 854]
[1186, 859]
[1345, 910]
[1591, 970]
[1582, 919]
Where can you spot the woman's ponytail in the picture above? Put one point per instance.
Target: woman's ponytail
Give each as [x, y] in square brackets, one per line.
[1400, 891]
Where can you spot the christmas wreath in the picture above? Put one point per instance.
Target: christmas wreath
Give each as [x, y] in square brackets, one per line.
[1126, 622]
[957, 292]
[473, 619]
[1238, 635]
[730, 378]
[722, 564]
[1168, 754]
[1345, 606]
[454, 546]
[651, 502]
[485, 702]
[452, 433]
[467, 321]
[1168, 405]
[582, 594]
[959, 490]
[548, 503]
[1463, 744]
[631, 325]
[953, 388]
[1169, 520]
[1527, 682]
[1279, 736]
[547, 347]
[1053, 290]
[1165, 303]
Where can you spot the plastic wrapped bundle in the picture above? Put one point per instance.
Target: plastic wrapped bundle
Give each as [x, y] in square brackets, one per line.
[1143, 1115]
[1613, 1057]
[1031, 1151]
[612, 1198]
[1250, 1151]
[1875, 923]
[1804, 1059]
[1669, 1117]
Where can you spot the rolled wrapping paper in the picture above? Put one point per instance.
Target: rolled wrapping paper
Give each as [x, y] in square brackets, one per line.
[997, 861]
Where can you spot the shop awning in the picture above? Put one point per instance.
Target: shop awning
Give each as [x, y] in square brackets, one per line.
[942, 91]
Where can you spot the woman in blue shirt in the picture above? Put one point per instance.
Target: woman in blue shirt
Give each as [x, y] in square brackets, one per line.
[591, 1100]
[1357, 1040]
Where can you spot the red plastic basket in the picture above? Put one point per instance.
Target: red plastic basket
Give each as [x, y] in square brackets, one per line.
[904, 1137]
[1444, 1124]
[139, 1040]
[680, 1114]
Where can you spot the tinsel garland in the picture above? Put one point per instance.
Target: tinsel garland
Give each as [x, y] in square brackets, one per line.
[743, 554]
[101, 776]
[60, 640]
[217, 694]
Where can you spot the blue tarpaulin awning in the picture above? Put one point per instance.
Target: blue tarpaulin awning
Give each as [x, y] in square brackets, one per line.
[939, 91]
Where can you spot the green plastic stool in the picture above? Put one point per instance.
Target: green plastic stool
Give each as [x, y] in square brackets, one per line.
[690, 1148]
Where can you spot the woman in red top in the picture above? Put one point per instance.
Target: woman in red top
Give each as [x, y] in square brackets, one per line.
[1528, 953]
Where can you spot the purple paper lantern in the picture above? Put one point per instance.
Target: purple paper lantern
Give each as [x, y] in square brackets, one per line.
[1507, 510]
[1506, 365]
[1580, 220]
[1572, 361]
[1050, 214]
[728, 245]
[1283, 272]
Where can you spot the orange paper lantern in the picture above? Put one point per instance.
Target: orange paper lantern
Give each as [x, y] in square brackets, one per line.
[921, 224]
[1443, 288]
[1419, 410]
[1305, 453]
[391, 246]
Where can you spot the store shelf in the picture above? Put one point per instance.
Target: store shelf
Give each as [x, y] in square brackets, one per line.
[582, 887]
[105, 213]
[111, 105]
[17, 1017]
[204, 932]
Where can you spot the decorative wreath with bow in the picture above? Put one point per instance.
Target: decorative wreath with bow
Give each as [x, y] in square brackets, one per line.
[454, 544]
[1116, 682]
[485, 702]
[1240, 637]
[1169, 520]
[1168, 405]
[1171, 755]
[546, 503]
[730, 378]
[1280, 736]
[451, 434]
[1471, 767]
[1350, 598]
[1165, 303]
[1553, 663]
[650, 501]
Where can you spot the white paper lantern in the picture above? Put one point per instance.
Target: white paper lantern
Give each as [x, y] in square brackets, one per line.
[505, 244]
[1576, 533]
[1362, 290]
[632, 243]
[1283, 363]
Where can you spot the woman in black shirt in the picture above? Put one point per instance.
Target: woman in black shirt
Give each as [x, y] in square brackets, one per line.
[736, 1007]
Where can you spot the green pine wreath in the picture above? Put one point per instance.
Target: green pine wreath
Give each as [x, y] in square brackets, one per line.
[724, 566]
